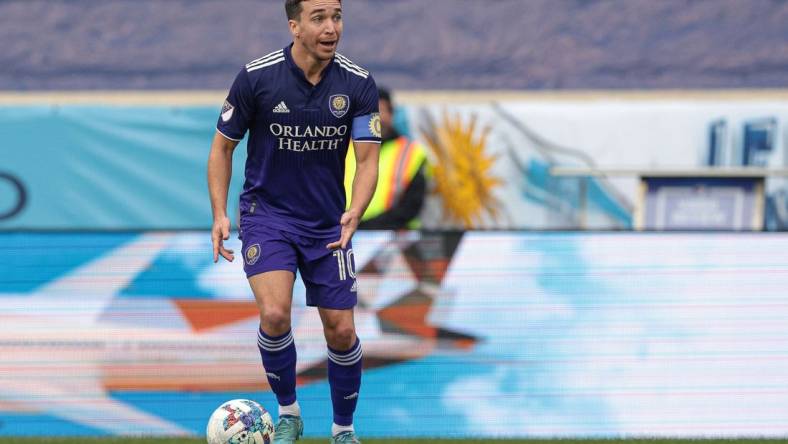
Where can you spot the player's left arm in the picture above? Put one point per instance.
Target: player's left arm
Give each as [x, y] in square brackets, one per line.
[366, 145]
[364, 183]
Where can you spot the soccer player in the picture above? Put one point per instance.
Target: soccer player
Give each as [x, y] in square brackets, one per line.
[301, 105]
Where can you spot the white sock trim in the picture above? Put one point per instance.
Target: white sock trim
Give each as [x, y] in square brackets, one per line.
[274, 346]
[293, 409]
[337, 429]
[348, 358]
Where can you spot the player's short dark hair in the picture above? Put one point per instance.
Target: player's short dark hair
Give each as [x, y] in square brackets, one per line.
[293, 9]
[385, 94]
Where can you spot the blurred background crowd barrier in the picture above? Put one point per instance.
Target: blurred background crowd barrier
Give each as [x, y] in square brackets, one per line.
[631, 117]
[116, 165]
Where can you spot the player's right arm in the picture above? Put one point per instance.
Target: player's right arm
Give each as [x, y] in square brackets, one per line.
[237, 112]
[220, 169]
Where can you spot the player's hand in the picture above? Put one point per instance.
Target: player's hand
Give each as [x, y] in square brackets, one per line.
[349, 223]
[219, 234]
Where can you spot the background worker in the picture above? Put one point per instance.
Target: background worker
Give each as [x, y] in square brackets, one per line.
[402, 176]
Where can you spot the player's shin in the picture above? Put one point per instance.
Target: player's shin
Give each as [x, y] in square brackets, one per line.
[344, 377]
[279, 360]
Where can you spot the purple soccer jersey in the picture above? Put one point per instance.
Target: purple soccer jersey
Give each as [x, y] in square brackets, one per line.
[298, 139]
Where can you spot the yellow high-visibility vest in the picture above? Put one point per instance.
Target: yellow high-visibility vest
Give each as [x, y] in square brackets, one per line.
[399, 162]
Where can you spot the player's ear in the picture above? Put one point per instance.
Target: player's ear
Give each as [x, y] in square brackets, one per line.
[295, 28]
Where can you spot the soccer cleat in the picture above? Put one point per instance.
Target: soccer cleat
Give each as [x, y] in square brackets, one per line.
[289, 429]
[348, 437]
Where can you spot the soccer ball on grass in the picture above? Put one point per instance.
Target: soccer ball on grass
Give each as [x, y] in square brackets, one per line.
[240, 421]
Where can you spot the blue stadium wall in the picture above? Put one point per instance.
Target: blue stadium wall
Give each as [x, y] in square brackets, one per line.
[481, 334]
[108, 167]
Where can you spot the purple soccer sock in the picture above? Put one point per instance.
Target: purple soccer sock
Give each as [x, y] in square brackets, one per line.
[279, 360]
[344, 377]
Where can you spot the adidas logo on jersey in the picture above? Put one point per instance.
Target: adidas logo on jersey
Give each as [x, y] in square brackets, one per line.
[281, 108]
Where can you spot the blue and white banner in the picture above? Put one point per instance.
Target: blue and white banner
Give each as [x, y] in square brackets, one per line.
[144, 167]
[481, 334]
[110, 167]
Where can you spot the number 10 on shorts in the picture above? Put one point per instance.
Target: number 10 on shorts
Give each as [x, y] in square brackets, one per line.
[345, 264]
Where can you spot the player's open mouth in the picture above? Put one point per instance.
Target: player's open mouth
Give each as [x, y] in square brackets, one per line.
[329, 45]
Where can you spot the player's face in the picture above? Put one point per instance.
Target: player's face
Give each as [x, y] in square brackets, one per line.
[319, 28]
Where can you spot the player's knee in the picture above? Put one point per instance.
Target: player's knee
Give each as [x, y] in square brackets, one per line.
[275, 321]
[341, 337]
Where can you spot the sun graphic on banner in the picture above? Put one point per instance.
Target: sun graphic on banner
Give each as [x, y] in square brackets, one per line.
[463, 170]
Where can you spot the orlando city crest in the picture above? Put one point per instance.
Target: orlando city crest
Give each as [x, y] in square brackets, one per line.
[252, 254]
[374, 125]
[339, 104]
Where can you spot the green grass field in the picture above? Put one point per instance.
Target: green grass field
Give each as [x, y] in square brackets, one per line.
[400, 441]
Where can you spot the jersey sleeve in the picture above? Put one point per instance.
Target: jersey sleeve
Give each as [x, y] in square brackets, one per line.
[238, 108]
[366, 119]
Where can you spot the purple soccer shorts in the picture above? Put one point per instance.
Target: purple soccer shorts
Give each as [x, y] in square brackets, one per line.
[329, 275]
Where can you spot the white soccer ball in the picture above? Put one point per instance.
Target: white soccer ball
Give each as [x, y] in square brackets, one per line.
[240, 421]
